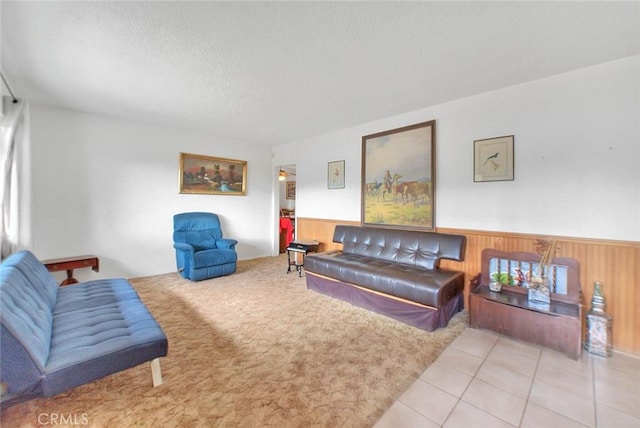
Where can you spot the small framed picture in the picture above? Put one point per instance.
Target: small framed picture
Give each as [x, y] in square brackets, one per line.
[291, 190]
[493, 159]
[335, 175]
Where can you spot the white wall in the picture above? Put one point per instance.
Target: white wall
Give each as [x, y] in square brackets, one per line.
[577, 148]
[109, 187]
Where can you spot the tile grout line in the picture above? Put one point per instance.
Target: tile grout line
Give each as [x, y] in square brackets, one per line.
[592, 369]
[604, 363]
[563, 415]
[533, 381]
[418, 411]
[484, 359]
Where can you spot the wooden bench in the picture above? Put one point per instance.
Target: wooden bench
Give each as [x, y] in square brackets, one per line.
[556, 325]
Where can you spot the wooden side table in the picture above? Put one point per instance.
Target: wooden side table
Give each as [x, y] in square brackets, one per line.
[71, 263]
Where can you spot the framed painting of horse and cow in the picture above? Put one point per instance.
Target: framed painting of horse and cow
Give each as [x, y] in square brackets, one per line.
[398, 177]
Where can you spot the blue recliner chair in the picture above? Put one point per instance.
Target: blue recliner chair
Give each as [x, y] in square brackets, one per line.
[201, 251]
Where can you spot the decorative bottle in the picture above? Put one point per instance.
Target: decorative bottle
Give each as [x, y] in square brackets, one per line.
[599, 324]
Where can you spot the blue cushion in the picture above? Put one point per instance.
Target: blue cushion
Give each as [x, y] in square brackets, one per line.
[202, 239]
[99, 327]
[226, 243]
[91, 294]
[36, 274]
[28, 294]
[55, 338]
[212, 271]
[213, 257]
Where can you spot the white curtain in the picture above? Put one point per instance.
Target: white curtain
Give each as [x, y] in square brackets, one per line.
[10, 123]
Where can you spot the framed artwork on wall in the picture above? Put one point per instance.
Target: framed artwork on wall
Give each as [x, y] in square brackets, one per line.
[335, 175]
[211, 175]
[493, 159]
[398, 177]
[291, 190]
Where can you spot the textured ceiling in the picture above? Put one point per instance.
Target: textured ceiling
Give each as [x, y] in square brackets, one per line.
[275, 72]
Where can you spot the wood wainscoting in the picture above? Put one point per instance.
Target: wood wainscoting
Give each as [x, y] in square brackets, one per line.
[615, 263]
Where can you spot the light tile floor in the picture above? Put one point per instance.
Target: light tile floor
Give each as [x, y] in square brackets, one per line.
[487, 380]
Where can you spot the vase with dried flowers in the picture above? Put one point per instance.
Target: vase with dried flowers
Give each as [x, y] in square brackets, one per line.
[539, 289]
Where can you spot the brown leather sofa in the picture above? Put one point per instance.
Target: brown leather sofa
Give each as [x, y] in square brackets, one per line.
[392, 272]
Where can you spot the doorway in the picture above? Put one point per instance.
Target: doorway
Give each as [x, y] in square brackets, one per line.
[287, 205]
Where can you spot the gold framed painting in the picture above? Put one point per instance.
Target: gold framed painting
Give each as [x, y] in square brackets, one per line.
[398, 177]
[209, 175]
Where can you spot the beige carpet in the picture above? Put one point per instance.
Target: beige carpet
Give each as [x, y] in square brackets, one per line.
[253, 349]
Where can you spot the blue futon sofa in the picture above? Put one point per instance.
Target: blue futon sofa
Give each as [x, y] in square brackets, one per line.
[54, 338]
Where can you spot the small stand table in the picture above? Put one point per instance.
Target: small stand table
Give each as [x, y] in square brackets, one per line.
[71, 263]
[300, 247]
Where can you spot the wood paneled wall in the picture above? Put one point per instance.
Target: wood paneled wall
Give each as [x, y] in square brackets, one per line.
[615, 263]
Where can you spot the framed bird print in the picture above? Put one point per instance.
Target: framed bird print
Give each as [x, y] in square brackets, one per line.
[335, 175]
[493, 159]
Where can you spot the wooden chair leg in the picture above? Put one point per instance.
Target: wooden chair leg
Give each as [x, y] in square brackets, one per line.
[156, 373]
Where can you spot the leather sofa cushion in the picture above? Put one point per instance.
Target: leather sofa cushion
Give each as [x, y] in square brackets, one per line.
[431, 287]
[421, 249]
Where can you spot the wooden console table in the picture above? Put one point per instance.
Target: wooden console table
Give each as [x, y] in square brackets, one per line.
[556, 325]
[71, 263]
